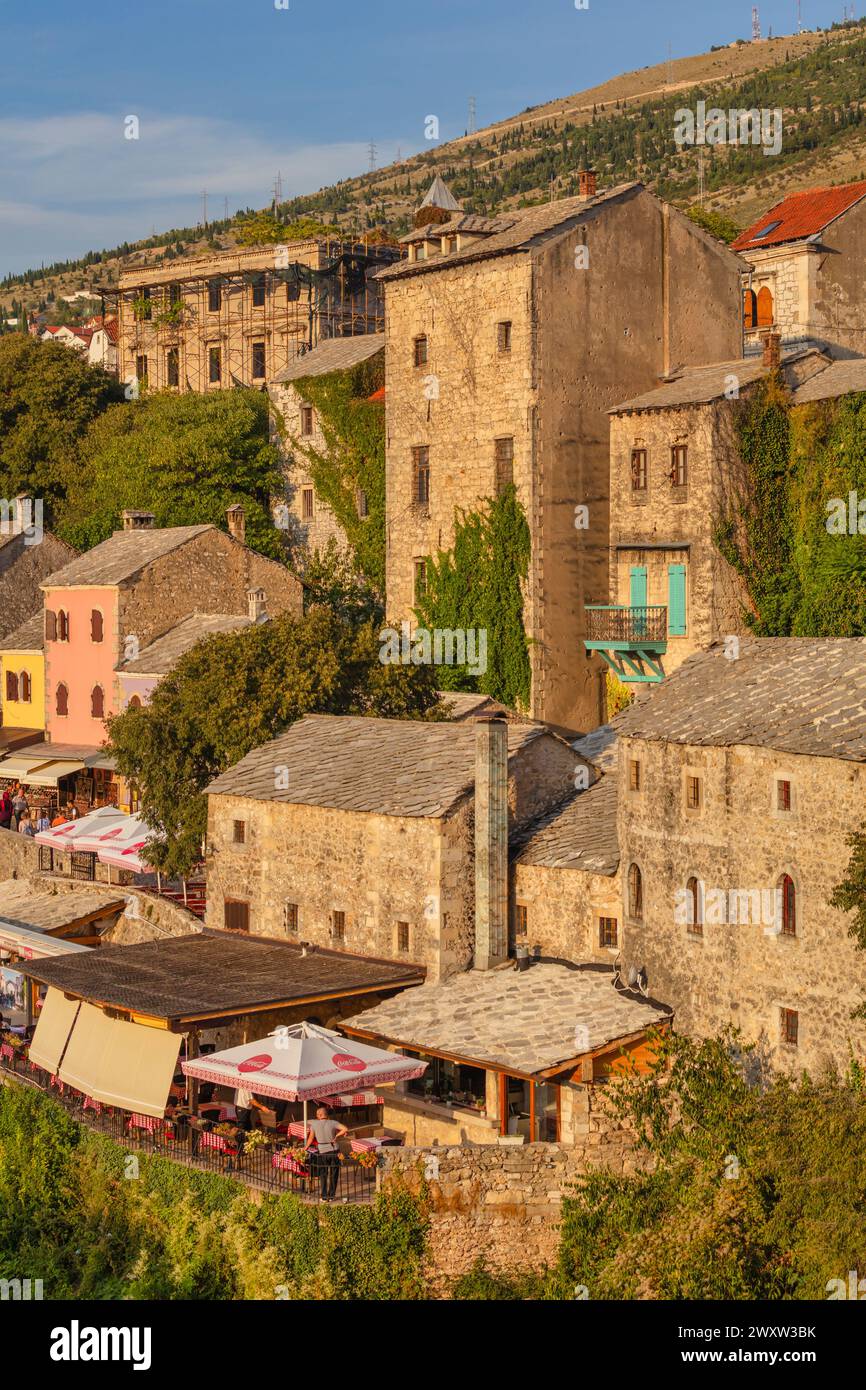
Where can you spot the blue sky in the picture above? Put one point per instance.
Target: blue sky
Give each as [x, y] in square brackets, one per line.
[228, 92]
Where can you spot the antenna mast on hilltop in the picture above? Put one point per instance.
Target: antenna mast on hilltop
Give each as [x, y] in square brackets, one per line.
[471, 127]
[799, 16]
[372, 152]
[756, 25]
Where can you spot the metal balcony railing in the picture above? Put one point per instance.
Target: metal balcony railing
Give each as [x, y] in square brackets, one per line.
[631, 626]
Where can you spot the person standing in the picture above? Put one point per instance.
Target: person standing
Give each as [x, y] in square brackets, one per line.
[325, 1158]
[5, 811]
[19, 806]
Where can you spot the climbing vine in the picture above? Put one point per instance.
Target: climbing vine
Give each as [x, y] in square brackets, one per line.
[479, 585]
[351, 467]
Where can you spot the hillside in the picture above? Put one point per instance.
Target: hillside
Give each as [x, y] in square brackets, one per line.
[624, 127]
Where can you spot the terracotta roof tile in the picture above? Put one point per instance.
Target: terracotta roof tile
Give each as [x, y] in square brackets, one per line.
[800, 215]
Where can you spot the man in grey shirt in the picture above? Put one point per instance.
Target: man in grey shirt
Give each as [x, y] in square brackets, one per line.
[325, 1158]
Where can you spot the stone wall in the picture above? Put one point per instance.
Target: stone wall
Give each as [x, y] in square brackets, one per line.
[736, 972]
[306, 533]
[501, 1203]
[563, 908]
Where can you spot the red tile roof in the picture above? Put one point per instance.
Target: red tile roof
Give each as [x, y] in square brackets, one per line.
[801, 215]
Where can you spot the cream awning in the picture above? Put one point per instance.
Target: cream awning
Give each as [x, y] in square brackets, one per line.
[21, 767]
[120, 1063]
[56, 1021]
[49, 774]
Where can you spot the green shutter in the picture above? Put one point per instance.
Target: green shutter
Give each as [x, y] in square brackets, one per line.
[676, 600]
[637, 587]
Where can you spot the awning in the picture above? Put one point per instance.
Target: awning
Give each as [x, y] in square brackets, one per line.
[21, 768]
[120, 1063]
[56, 1021]
[32, 943]
[49, 774]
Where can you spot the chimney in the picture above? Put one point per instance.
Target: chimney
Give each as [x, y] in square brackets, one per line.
[587, 183]
[772, 350]
[491, 843]
[137, 521]
[236, 518]
[256, 605]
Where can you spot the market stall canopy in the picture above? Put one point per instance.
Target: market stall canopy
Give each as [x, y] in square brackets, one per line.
[20, 768]
[123, 1064]
[50, 774]
[303, 1062]
[79, 912]
[56, 1022]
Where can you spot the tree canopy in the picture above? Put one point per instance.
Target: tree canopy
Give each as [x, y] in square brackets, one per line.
[236, 691]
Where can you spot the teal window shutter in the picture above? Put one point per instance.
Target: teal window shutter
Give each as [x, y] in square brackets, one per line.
[637, 587]
[676, 600]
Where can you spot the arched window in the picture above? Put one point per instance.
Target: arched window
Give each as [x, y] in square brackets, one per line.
[61, 700]
[50, 626]
[635, 894]
[11, 685]
[765, 308]
[135, 702]
[750, 309]
[695, 907]
[62, 626]
[26, 687]
[785, 886]
[97, 702]
[95, 625]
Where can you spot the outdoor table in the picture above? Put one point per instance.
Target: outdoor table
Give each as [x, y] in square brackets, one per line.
[228, 1112]
[7, 1051]
[289, 1162]
[58, 1084]
[148, 1122]
[91, 1104]
[220, 1142]
[296, 1130]
[373, 1142]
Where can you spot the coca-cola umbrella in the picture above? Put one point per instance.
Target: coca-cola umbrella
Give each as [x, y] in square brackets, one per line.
[303, 1062]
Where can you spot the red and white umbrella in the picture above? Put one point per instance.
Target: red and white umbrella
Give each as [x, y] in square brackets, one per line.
[120, 845]
[303, 1062]
[78, 834]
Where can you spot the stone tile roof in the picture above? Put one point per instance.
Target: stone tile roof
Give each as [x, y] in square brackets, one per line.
[162, 655]
[520, 1021]
[836, 380]
[123, 555]
[391, 767]
[517, 231]
[21, 907]
[214, 973]
[29, 637]
[802, 695]
[579, 834]
[333, 355]
[473, 223]
[800, 215]
[699, 385]
[600, 746]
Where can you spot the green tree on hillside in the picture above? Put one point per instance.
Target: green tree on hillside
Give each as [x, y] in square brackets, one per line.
[234, 692]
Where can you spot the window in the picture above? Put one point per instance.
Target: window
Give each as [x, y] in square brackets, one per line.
[61, 700]
[62, 626]
[638, 470]
[239, 832]
[307, 503]
[236, 915]
[420, 579]
[259, 290]
[96, 625]
[338, 926]
[290, 919]
[783, 796]
[50, 626]
[790, 1020]
[750, 309]
[172, 367]
[766, 316]
[141, 367]
[765, 231]
[258, 361]
[521, 919]
[214, 366]
[635, 893]
[504, 460]
[420, 351]
[135, 702]
[11, 685]
[214, 296]
[174, 294]
[403, 937]
[503, 337]
[97, 703]
[634, 775]
[306, 419]
[785, 886]
[362, 503]
[26, 687]
[694, 908]
[608, 931]
[421, 476]
[679, 465]
[293, 291]
[693, 793]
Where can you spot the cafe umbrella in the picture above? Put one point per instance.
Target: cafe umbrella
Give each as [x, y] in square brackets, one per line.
[303, 1062]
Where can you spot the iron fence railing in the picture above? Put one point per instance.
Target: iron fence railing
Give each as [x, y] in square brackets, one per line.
[273, 1163]
[613, 623]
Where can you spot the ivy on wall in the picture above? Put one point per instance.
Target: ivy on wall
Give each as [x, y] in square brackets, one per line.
[353, 459]
[805, 571]
[479, 585]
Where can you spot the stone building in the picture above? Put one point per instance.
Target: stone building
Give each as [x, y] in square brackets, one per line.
[298, 433]
[807, 277]
[739, 783]
[488, 383]
[239, 317]
[25, 560]
[380, 836]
